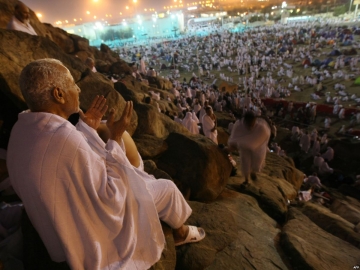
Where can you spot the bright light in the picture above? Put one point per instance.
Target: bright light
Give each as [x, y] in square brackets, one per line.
[127, 7]
[94, 17]
[66, 21]
[96, 1]
[88, 12]
[74, 20]
[283, 5]
[134, 1]
[39, 15]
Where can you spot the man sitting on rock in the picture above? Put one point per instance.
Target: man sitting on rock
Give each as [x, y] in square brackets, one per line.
[91, 206]
[20, 21]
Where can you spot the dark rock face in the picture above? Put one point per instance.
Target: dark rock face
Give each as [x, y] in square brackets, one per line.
[312, 248]
[201, 168]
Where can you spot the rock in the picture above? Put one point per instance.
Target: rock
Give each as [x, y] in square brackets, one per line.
[201, 168]
[62, 39]
[150, 168]
[332, 223]
[273, 187]
[83, 55]
[346, 211]
[149, 146]
[357, 228]
[235, 229]
[102, 66]
[80, 43]
[283, 167]
[153, 123]
[129, 91]
[120, 67]
[309, 247]
[160, 83]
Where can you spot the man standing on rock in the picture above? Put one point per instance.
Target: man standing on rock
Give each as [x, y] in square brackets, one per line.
[20, 21]
[91, 206]
[250, 136]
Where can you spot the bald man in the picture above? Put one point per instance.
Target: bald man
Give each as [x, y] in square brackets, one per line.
[21, 20]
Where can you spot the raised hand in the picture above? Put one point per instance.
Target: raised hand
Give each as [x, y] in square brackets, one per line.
[96, 111]
[117, 128]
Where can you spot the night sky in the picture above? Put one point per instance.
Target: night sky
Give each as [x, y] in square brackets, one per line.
[61, 10]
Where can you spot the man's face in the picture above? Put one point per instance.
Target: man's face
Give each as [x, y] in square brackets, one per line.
[72, 91]
[22, 13]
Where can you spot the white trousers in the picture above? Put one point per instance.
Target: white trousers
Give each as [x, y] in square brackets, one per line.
[170, 204]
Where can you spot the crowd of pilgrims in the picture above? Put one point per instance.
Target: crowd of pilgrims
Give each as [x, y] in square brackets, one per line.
[262, 59]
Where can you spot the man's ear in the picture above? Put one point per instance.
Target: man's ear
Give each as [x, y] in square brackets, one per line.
[58, 95]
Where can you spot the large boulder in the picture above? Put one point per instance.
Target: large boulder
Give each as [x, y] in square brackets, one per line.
[199, 167]
[153, 123]
[149, 146]
[238, 236]
[310, 247]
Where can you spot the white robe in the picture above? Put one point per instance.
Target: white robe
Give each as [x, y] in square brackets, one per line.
[15, 24]
[208, 124]
[252, 144]
[190, 123]
[90, 206]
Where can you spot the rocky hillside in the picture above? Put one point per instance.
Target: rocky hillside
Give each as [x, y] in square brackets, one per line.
[251, 227]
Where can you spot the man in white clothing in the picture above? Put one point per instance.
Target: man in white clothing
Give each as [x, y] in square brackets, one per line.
[209, 124]
[91, 203]
[250, 136]
[20, 21]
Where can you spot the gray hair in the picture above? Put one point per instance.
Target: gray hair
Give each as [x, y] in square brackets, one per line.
[39, 78]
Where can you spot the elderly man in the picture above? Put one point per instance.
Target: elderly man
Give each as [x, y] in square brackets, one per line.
[250, 136]
[20, 21]
[91, 203]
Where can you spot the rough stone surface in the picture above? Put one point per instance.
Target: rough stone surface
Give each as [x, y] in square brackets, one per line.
[154, 123]
[331, 223]
[284, 168]
[149, 146]
[150, 168]
[346, 210]
[198, 164]
[309, 247]
[271, 192]
[238, 236]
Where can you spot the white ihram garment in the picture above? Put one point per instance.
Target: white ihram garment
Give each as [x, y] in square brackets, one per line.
[252, 144]
[90, 206]
[208, 124]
